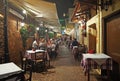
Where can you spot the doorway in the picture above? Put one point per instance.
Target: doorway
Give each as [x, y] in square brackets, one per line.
[92, 37]
[112, 42]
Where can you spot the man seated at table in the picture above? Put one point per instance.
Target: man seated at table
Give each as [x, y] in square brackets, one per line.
[75, 44]
[75, 49]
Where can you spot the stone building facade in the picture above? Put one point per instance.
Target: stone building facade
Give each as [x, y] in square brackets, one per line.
[15, 44]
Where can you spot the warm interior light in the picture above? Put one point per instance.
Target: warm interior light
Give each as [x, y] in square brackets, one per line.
[24, 11]
[64, 14]
[37, 28]
[39, 15]
[1, 15]
[22, 24]
[46, 30]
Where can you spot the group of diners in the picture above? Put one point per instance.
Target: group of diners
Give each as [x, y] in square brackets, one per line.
[77, 49]
[50, 45]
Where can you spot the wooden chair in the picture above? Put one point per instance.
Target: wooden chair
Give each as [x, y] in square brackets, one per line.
[27, 66]
[39, 61]
[23, 60]
[28, 70]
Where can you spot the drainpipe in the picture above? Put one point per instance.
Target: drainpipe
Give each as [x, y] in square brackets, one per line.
[6, 51]
[100, 29]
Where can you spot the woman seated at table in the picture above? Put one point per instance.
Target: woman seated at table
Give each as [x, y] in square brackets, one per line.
[42, 44]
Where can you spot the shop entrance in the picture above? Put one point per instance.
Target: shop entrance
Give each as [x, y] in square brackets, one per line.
[112, 42]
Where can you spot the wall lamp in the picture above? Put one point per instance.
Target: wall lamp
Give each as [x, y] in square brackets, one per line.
[105, 4]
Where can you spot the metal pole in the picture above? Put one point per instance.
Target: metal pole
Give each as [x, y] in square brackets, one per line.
[6, 51]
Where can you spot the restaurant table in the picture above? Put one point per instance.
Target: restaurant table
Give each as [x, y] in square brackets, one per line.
[30, 54]
[10, 72]
[38, 55]
[96, 61]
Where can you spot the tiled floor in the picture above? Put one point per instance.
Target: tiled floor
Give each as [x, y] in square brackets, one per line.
[65, 68]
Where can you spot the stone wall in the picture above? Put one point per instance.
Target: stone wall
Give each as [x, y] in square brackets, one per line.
[15, 44]
[15, 40]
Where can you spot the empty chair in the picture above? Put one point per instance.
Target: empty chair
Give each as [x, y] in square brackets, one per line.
[27, 66]
[39, 61]
[28, 70]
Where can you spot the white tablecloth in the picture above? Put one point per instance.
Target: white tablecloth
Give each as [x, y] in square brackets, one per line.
[29, 53]
[94, 61]
[8, 69]
[98, 58]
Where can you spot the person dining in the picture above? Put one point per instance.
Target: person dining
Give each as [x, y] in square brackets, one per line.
[42, 44]
[35, 44]
[75, 44]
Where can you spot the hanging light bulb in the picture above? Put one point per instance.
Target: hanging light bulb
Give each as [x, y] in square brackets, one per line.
[37, 28]
[24, 11]
[22, 24]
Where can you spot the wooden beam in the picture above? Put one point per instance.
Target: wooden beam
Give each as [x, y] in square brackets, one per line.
[77, 6]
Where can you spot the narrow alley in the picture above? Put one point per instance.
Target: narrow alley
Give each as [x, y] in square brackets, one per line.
[31, 33]
[65, 68]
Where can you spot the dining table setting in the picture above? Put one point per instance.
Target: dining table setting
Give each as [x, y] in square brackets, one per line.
[96, 61]
[40, 59]
[30, 54]
[10, 72]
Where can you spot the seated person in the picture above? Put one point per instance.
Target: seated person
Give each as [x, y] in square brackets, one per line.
[35, 44]
[42, 44]
[75, 43]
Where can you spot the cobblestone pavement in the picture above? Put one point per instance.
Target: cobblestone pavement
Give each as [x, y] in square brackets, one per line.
[65, 68]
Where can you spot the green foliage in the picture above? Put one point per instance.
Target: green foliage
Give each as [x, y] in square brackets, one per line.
[31, 29]
[24, 35]
[51, 35]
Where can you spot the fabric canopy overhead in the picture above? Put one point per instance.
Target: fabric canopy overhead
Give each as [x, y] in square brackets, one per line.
[41, 10]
